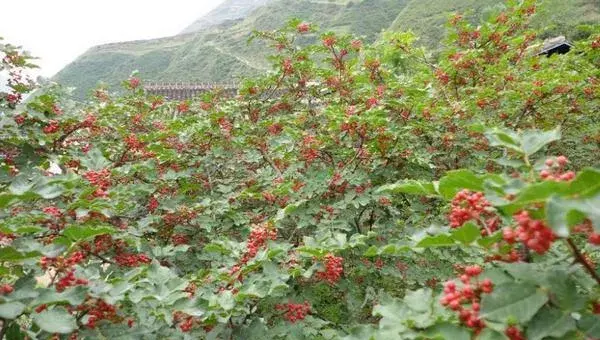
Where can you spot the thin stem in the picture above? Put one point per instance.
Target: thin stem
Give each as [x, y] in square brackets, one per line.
[579, 258]
[4, 328]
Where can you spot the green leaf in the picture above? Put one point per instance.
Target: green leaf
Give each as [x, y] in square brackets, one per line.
[55, 321]
[95, 160]
[10, 310]
[20, 185]
[447, 330]
[511, 300]
[562, 214]
[538, 192]
[371, 252]
[533, 140]
[72, 296]
[441, 240]
[586, 184]
[504, 138]
[466, 234]
[50, 191]
[409, 186]
[226, 300]
[14, 332]
[590, 325]
[527, 143]
[550, 322]
[490, 334]
[11, 254]
[487, 241]
[77, 233]
[456, 180]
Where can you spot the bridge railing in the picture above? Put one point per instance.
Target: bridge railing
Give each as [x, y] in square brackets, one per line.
[181, 90]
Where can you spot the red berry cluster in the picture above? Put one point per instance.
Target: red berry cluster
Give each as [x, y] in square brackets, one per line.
[133, 143]
[68, 279]
[152, 204]
[456, 298]
[185, 321]
[535, 234]
[333, 269]
[512, 256]
[179, 239]
[6, 239]
[52, 211]
[513, 333]
[134, 82]
[6, 289]
[19, 119]
[101, 310]
[183, 107]
[294, 311]
[467, 205]
[100, 179]
[105, 243]
[131, 260]
[65, 274]
[52, 127]
[303, 27]
[587, 229]
[258, 238]
[555, 170]
[225, 126]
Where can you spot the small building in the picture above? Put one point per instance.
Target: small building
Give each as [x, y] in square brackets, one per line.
[558, 45]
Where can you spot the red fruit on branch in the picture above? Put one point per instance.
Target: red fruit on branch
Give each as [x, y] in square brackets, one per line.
[333, 269]
[294, 312]
[303, 27]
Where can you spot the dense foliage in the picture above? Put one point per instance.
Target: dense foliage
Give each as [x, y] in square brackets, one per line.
[354, 192]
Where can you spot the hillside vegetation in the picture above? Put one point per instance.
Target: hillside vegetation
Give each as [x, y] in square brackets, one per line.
[216, 49]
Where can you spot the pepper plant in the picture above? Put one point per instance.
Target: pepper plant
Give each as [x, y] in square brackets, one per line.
[353, 192]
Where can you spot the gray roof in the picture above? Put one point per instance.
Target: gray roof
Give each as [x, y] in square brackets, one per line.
[552, 43]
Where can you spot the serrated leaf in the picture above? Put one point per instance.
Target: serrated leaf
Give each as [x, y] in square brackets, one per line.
[447, 331]
[11, 254]
[550, 322]
[456, 180]
[490, 334]
[441, 240]
[77, 233]
[95, 160]
[590, 325]
[520, 301]
[73, 296]
[55, 321]
[534, 140]
[505, 138]
[466, 234]
[20, 185]
[10, 310]
[562, 214]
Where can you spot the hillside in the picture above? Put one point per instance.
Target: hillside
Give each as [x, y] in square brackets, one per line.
[215, 48]
[427, 18]
[228, 10]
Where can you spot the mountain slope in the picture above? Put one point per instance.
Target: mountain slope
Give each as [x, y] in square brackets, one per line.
[218, 51]
[228, 10]
[221, 53]
[427, 18]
